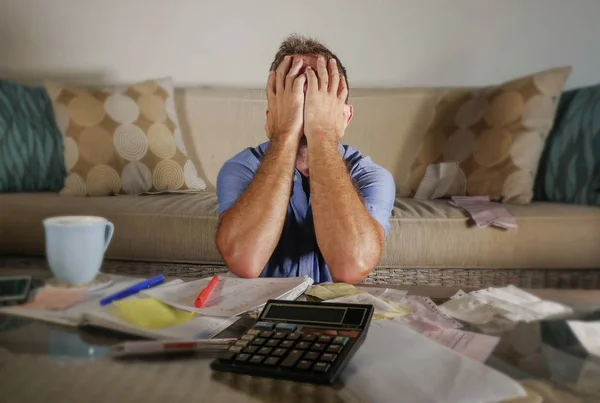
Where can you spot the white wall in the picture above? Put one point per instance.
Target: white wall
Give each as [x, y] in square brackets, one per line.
[231, 43]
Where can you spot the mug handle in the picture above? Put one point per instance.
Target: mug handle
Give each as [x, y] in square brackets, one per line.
[110, 229]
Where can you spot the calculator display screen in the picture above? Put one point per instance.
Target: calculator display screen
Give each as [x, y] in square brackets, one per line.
[305, 314]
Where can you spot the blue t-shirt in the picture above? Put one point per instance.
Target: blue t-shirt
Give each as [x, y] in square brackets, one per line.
[297, 253]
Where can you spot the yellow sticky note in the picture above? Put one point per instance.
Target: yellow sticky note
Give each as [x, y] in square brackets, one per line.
[149, 313]
[335, 290]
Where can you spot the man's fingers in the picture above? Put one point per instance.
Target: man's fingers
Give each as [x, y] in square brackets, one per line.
[311, 78]
[271, 85]
[323, 75]
[334, 77]
[281, 72]
[293, 73]
[299, 83]
[343, 91]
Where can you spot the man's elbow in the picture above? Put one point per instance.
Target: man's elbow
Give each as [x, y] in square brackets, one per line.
[354, 267]
[235, 260]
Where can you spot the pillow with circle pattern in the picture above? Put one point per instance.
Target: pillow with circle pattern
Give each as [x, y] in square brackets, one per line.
[122, 140]
[496, 135]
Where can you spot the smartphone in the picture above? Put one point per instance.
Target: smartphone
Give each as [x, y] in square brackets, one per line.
[14, 289]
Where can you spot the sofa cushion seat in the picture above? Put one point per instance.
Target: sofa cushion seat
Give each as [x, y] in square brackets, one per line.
[424, 234]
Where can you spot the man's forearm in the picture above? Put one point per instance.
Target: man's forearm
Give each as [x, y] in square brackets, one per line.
[249, 232]
[348, 237]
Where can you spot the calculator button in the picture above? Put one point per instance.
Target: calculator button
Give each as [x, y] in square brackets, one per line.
[318, 347]
[266, 333]
[254, 332]
[250, 349]
[271, 361]
[227, 355]
[309, 337]
[286, 326]
[321, 367]
[272, 343]
[287, 343]
[292, 358]
[293, 336]
[264, 325]
[257, 359]
[280, 335]
[340, 340]
[235, 349]
[258, 341]
[304, 364]
[311, 355]
[242, 357]
[248, 337]
[242, 343]
[324, 339]
[334, 348]
[278, 352]
[265, 350]
[328, 357]
[303, 345]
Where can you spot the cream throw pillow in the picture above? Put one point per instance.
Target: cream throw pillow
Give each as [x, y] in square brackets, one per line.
[122, 140]
[495, 134]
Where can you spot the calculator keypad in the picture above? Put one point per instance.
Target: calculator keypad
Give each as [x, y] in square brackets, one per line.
[284, 345]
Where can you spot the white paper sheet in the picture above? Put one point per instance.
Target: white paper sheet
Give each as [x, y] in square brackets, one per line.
[397, 364]
[471, 310]
[231, 296]
[382, 310]
[386, 294]
[485, 212]
[483, 306]
[426, 315]
[474, 345]
[442, 179]
[588, 334]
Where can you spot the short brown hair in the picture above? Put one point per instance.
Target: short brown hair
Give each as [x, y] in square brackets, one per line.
[301, 45]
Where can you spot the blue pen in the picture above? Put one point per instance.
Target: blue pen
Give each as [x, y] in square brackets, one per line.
[134, 289]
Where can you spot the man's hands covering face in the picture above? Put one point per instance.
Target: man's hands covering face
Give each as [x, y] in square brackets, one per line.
[325, 102]
[320, 112]
[285, 95]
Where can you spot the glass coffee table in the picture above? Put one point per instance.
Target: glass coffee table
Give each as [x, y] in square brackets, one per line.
[41, 360]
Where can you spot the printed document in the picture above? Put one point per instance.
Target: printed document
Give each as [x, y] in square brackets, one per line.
[232, 296]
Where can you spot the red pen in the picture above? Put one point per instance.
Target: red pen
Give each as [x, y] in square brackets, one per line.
[205, 293]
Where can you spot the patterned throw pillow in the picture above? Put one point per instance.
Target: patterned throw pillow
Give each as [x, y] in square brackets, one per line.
[570, 166]
[122, 140]
[495, 134]
[31, 149]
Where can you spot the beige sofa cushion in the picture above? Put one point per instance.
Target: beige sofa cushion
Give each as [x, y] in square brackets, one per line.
[424, 234]
[495, 134]
[122, 140]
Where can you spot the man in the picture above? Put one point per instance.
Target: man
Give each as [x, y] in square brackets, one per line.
[302, 204]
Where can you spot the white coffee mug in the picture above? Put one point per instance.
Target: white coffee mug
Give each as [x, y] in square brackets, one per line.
[75, 246]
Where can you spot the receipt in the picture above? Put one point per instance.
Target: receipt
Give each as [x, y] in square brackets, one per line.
[484, 212]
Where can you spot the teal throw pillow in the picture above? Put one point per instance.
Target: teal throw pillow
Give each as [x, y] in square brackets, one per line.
[31, 145]
[569, 169]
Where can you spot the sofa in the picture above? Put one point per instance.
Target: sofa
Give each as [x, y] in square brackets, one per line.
[425, 234]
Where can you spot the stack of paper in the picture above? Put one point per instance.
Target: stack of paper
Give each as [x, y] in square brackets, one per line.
[232, 296]
[89, 312]
[483, 306]
[484, 212]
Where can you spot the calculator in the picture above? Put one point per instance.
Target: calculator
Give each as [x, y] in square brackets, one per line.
[299, 341]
